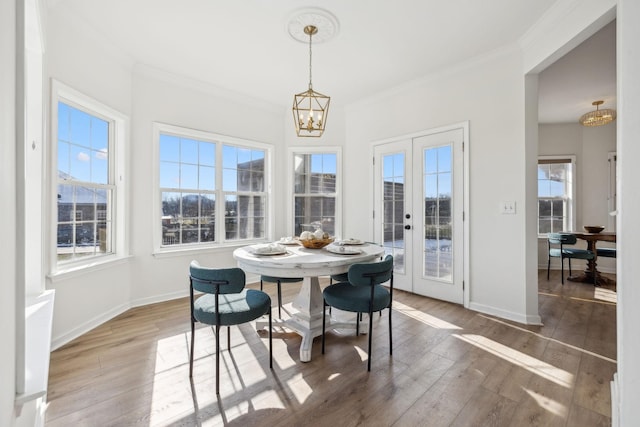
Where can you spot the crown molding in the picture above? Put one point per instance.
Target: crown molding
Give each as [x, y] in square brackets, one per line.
[186, 82]
[412, 85]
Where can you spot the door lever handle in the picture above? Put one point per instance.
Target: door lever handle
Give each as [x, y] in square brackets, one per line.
[407, 227]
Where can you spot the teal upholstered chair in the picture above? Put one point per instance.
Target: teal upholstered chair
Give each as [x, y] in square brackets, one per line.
[342, 277]
[363, 293]
[559, 245]
[279, 280]
[225, 302]
[607, 252]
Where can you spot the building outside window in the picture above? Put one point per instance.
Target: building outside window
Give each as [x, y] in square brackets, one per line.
[556, 190]
[315, 192]
[213, 189]
[86, 134]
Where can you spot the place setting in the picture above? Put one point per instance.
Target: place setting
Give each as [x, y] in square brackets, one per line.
[267, 249]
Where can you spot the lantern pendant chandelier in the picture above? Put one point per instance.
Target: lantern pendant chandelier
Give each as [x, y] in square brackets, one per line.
[310, 108]
[598, 117]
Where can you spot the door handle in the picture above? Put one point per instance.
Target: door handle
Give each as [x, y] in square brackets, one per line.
[407, 227]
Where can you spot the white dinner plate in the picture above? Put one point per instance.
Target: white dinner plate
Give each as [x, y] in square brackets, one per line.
[342, 250]
[267, 249]
[284, 241]
[351, 242]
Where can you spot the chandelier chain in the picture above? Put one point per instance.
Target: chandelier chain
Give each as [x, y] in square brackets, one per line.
[310, 36]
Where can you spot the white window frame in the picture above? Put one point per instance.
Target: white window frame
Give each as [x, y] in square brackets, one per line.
[293, 151]
[220, 140]
[571, 221]
[118, 140]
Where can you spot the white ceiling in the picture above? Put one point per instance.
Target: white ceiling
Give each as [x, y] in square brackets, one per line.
[586, 74]
[244, 46]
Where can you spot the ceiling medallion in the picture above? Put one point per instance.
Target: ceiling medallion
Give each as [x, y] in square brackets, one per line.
[325, 22]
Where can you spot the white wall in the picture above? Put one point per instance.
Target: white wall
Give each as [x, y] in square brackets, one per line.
[78, 58]
[591, 147]
[629, 207]
[8, 211]
[489, 92]
[161, 97]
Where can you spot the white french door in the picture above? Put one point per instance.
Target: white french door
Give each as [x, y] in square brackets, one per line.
[419, 198]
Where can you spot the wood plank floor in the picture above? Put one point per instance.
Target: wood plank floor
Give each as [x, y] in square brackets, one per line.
[450, 367]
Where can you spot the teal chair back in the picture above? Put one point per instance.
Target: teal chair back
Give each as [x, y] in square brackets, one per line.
[562, 239]
[216, 280]
[369, 274]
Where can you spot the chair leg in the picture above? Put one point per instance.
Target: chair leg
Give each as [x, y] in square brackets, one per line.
[548, 267]
[390, 333]
[570, 272]
[229, 338]
[279, 299]
[217, 359]
[370, 339]
[270, 342]
[324, 321]
[562, 270]
[192, 343]
[358, 324]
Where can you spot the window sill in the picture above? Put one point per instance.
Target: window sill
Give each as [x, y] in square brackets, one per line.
[168, 252]
[76, 270]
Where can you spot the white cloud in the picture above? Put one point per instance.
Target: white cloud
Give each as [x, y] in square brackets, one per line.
[83, 157]
[102, 154]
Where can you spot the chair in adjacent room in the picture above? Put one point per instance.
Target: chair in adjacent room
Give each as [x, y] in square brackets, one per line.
[225, 302]
[607, 252]
[363, 293]
[559, 245]
[279, 280]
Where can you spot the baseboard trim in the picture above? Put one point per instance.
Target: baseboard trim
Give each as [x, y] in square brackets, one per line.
[527, 319]
[615, 399]
[74, 333]
[557, 268]
[159, 298]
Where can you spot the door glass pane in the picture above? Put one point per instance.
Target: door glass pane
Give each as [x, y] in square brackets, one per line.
[393, 211]
[437, 193]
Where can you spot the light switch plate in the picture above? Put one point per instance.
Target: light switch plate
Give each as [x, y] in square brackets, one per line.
[508, 208]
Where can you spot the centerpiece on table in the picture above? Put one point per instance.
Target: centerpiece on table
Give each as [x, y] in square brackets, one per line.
[315, 240]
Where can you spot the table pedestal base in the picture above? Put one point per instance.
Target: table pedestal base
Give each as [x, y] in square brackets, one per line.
[587, 277]
[306, 317]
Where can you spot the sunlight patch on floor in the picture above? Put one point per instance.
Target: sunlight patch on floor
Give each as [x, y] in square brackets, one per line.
[423, 317]
[363, 354]
[531, 364]
[606, 295]
[300, 388]
[582, 350]
[602, 296]
[548, 404]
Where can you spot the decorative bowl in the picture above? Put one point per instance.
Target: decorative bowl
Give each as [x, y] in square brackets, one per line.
[316, 243]
[593, 228]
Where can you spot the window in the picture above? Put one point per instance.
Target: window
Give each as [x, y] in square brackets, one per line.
[86, 164]
[205, 177]
[556, 189]
[315, 192]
